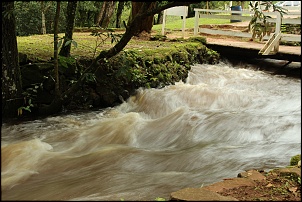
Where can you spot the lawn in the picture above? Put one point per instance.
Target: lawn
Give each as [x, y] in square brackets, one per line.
[41, 46]
[175, 23]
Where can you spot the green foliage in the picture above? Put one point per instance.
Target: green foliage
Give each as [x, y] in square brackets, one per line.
[102, 35]
[130, 69]
[264, 27]
[8, 13]
[90, 77]
[106, 33]
[64, 61]
[27, 108]
[86, 12]
[29, 94]
[295, 159]
[29, 20]
[73, 42]
[202, 40]
[87, 6]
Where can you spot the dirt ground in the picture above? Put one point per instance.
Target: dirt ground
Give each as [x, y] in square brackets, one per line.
[231, 41]
[274, 187]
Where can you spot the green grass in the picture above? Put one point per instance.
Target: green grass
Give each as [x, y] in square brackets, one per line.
[41, 46]
[175, 23]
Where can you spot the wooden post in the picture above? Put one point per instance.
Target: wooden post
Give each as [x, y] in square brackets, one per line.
[277, 30]
[184, 23]
[196, 26]
[164, 23]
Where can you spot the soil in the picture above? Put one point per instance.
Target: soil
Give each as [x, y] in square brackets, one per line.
[281, 184]
[274, 187]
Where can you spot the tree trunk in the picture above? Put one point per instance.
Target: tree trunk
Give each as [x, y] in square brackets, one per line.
[71, 10]
[106, 13]
[132, 27]
[43, 11]
[147, 25]
[56, 23]
[160, 18]
[119, 12]
[43, 21]
[100, 14]
[97, 4]
[11, 77]
[81, 20]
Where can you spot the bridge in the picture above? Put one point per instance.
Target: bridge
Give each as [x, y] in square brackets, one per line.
[271, 49]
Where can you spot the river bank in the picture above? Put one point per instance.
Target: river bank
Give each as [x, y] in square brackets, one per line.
[279, 184]
[154, 64]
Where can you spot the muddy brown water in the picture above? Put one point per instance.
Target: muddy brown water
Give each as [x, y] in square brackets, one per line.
[222, 120]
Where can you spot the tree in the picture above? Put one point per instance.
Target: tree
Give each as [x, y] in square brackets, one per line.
[131, 29]
[119, 11]
[44, 8]
[56, 23]
[160, 18]
[137, 7]
[70, 16]
[105, 13]
[86, 13]
[11, 77]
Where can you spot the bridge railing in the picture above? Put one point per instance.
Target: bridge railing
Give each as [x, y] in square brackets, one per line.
[290, 18]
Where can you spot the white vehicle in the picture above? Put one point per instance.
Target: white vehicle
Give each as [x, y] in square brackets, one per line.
[290, 5]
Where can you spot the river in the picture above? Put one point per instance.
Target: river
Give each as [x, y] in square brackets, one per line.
[222, 120]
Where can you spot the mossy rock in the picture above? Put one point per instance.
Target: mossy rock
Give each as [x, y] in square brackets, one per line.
[295, 159]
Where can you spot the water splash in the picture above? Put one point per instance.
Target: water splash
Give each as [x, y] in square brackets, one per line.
[219, 122]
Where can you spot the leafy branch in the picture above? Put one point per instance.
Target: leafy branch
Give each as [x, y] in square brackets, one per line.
[103, 35]
[27, 108]
[263, 28]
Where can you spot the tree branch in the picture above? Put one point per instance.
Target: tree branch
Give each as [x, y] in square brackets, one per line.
[130, 30]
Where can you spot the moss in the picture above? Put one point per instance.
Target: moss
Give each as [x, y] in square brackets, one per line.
[295, 159]
[158, 37]
[153, 65]
[202, 40]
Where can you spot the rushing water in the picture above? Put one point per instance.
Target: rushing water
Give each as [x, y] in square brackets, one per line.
[221, 121]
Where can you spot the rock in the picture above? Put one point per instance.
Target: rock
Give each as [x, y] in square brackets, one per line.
[31, 75]
[252, 174]
[199, 194]
[230, 184]
[299, 164]
[44, 66]
[44, 97]
[22, 59]
[295, 171]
